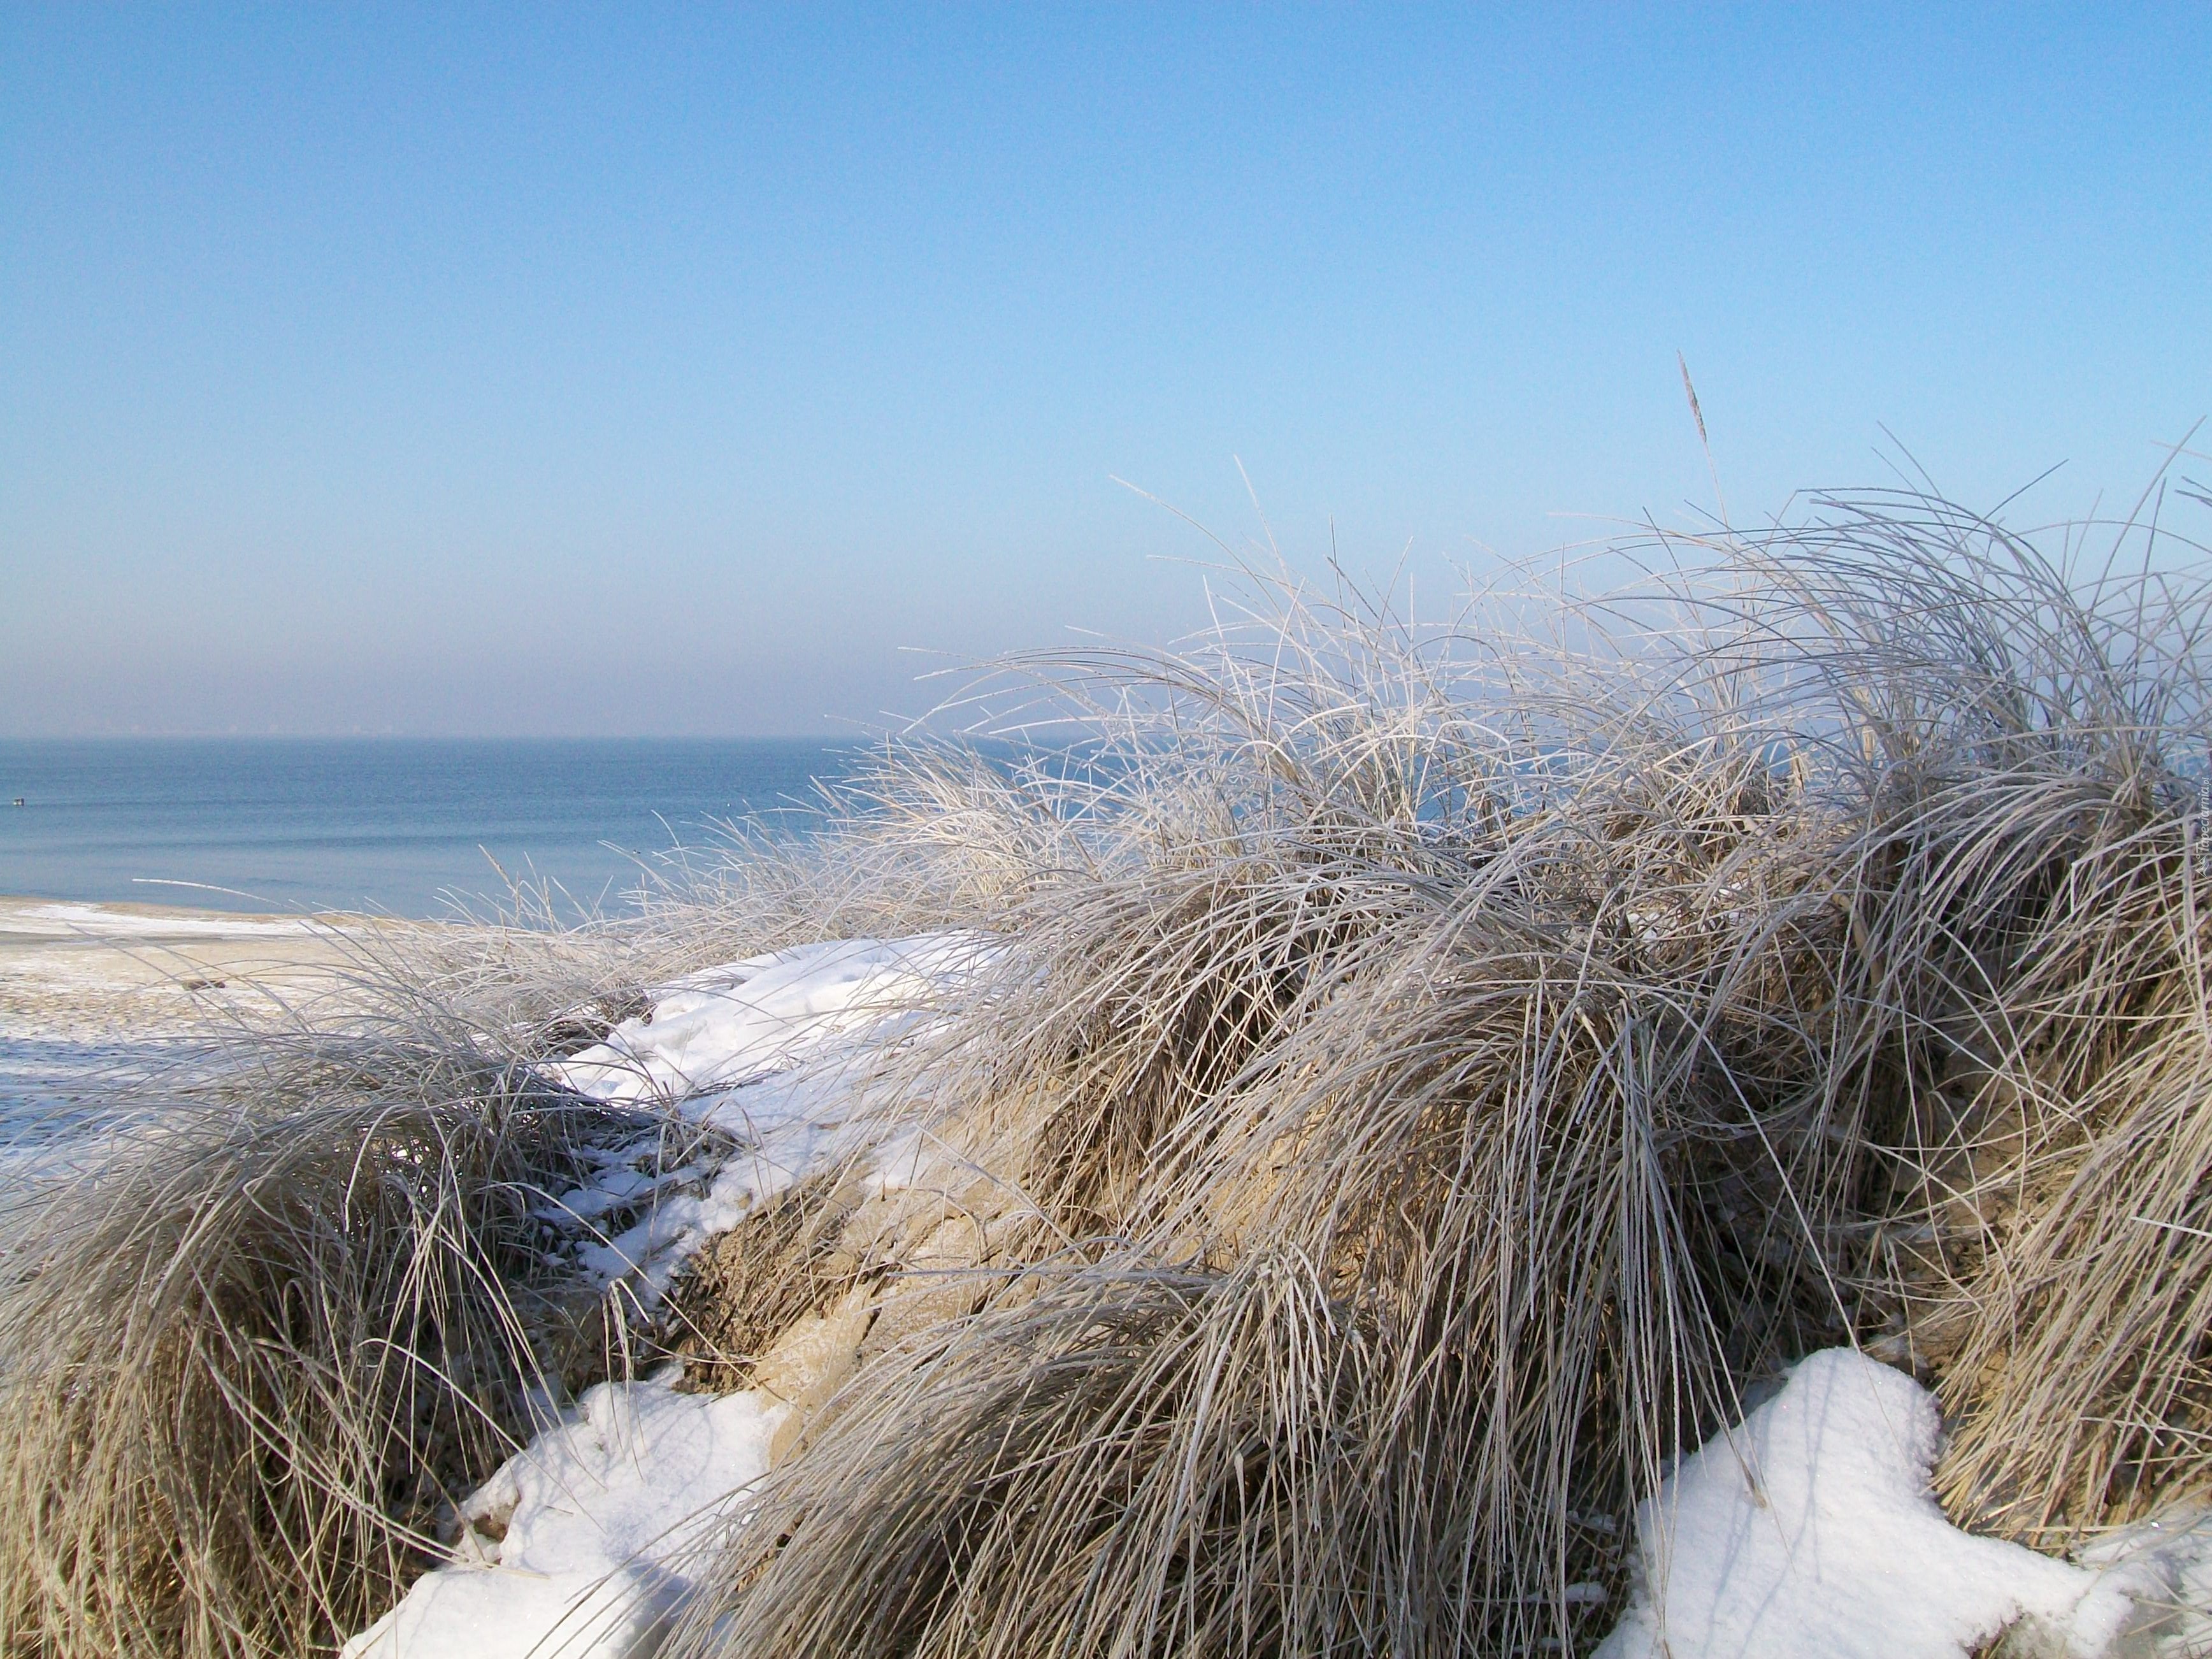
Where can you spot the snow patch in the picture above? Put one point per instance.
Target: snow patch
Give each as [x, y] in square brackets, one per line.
[2162, 1569]
[1810, 1533]
[786, 1128]
[585, 1544]
[753, 1050]
[723, 1027]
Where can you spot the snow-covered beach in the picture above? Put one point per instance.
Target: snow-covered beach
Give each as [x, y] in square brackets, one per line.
[80, 969]
[91, 995]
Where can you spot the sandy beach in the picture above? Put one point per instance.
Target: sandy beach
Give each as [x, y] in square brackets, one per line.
[80, 972]
[89, 992]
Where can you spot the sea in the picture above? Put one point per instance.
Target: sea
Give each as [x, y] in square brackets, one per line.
[403, 827]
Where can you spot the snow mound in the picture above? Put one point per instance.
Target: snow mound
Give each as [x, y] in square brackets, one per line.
[577, 1548]
[726, 1026]
[1810, 1533]
[751, 1048]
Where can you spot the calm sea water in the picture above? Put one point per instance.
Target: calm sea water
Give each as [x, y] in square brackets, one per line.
[395, 825]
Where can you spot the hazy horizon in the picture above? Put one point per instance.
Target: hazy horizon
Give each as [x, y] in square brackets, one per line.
[485, 372]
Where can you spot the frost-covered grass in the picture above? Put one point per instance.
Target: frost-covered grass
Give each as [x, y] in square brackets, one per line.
[1421, 1079]
[248, 1361]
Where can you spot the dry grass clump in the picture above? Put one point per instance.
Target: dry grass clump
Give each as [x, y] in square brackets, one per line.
[1032, 1452]
[1439, 1174]
[246, 1374]
[2031, 996]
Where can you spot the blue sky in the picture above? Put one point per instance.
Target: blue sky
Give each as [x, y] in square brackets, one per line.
[654, 370]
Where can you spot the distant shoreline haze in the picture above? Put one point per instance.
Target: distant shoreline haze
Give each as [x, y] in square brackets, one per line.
[405, 826]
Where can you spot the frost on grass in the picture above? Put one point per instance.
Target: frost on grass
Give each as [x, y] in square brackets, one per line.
[1810, 1533]
[1433, 1072]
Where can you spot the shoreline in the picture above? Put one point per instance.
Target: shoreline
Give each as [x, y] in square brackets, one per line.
[42, 915]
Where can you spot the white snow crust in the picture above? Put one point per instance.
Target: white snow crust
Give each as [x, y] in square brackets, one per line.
[723, 1027]
[751, 1048]
[577, 1548]
[1810, 1533]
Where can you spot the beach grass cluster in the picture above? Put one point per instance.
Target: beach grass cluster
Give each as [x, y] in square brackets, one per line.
[1434, 1072]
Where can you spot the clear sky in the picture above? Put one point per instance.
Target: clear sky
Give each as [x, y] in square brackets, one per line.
[643, 370]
